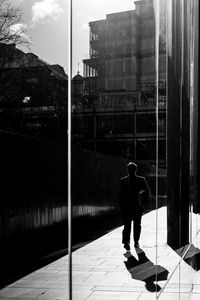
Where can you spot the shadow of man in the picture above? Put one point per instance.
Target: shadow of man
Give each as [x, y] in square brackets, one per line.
[143, 269]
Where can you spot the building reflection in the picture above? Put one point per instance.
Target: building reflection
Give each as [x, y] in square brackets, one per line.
[113, 121]
[116, 115]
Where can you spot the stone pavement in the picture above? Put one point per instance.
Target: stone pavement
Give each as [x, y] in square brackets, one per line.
[103, 270]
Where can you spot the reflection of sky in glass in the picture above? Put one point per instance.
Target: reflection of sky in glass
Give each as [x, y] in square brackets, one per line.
[85, 12]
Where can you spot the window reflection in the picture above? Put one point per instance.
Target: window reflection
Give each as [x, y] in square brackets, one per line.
[118, 113]
[115, 120]
[135, 100]
[33, 131]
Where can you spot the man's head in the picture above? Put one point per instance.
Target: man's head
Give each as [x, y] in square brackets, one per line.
[132, 168]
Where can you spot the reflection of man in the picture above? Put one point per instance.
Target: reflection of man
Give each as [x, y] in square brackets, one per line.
[134, 193]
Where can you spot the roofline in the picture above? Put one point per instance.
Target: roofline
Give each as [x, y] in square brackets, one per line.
[115, 13]
[142, 1]
[121, 12]
[98, 21]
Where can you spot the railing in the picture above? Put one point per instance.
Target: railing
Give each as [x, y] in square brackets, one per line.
[43, 108]
[118, 105]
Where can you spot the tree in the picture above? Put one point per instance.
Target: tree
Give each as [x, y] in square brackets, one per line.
[12, 34]
[12, 29]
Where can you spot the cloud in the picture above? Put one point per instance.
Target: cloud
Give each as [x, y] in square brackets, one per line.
[45, 9]
[19, 29]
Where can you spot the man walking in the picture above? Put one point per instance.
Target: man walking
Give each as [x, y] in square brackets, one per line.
[134, 193]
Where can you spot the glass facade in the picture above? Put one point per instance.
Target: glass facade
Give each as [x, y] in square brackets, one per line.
[33, 206]
[182, 139]
[157, 125]
[136, 101]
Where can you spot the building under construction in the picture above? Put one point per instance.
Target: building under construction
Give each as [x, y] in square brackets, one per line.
[118, 113]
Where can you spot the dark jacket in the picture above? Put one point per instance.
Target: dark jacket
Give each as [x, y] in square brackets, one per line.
[131, 201]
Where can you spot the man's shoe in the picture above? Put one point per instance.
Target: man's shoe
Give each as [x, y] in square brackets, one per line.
[127, 247]
[136, 245]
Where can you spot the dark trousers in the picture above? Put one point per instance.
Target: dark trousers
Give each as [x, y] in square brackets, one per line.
[127, 229]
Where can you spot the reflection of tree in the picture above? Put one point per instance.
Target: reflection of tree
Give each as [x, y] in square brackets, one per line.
[12, 33]
[12, 30]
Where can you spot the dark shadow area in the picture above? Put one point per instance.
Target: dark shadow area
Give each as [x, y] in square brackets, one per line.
[33, 206]
[24, 253]
[86, 229]
[192, 257]
[28, 252]
[143, 269]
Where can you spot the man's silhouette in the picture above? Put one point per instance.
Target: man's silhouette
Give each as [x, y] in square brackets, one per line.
[134, 193]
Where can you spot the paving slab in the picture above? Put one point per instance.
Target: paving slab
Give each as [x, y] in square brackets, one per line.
[102, 270]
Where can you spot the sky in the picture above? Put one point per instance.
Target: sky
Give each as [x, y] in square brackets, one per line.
[46, 25]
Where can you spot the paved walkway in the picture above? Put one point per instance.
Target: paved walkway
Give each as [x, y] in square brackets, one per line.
[102, 270]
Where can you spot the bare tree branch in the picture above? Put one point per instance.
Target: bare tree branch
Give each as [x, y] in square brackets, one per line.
[12, 28]
[12, 33]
